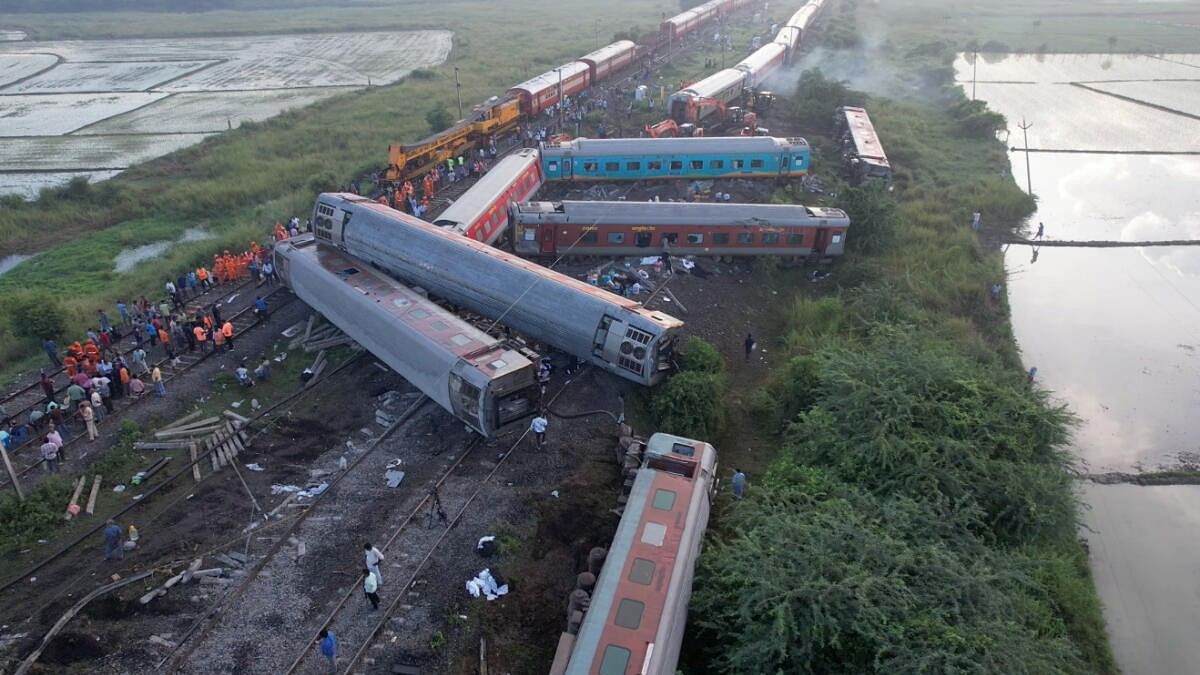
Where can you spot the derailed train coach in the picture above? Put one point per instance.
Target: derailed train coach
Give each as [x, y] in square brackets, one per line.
[597, 327]
[472, 375]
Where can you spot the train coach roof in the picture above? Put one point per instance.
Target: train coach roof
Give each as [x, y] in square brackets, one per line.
[551, 78]
[405, 306]
[682, 213]
[802, 18]
[605, 53]
[866, 141]
[715, 83]
[488, 188]
[589, 147]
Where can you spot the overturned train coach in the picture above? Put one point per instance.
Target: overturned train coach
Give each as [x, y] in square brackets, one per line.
[474, 376]
[598, 327]
[683, 228]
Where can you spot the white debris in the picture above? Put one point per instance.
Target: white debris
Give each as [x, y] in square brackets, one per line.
[485, 584]
[255, 467]
[313, 491]
[237, 404]
[649, 260]
[254, 404]
[231, 298]
[554, 493]
[277, 489]
[393, 477]
[119, 488]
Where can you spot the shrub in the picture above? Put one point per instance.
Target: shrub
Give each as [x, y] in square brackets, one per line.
[439, 118]
[690, 404]
[35, 315]
[872, 211]
[699, 355]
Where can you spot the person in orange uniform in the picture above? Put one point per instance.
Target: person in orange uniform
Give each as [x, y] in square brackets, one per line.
[70, 363]
[201, 337]
[227, 331]
[91, 351]
[202, 277]
[280, 232]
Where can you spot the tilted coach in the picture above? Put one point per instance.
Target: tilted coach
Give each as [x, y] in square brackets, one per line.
[474, 376]
[593, 159]
[598, 327]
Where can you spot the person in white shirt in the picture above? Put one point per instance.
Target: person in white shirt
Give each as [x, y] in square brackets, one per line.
[538, 427]
[374, 557]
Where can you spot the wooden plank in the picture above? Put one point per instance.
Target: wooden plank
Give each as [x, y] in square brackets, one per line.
[236, 417]
[75, 495]
[163, 445]
[183, 420]
[91, 505]
[12, 475]
[194, 452]
[207, 421]
[190, 430]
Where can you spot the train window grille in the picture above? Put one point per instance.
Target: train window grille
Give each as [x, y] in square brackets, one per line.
[669, 238]
[739, 163]
[756, 164]
[589, 237]
[745, 238]
[612, 166]
[616, 237]
[697, 164]
[799, 161]
[590, 167]
[654, 166]
[795, 239]
[676, 165]
[720, 238]
[633, 166]
[717, 164]
[837, 239]
[615, 660]
[770, 238]
[552, 166]
[325, 210]
[629, 613]
[696, 239]
[641, 571]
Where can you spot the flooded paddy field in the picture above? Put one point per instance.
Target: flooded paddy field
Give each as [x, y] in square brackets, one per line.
[77, 105]
[1115, 332]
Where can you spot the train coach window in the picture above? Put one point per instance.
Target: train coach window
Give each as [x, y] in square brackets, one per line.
[589, 237]
[745, 238]
[717, 164]
[697, 164]
[615, 660]
[795, 239]
[837, 239]
[439, 325]
[756, 164]
[633, 166]
[669, 238]
[629, 613]
[696, 239]
[720, 238]
[654, 166]
[738, 163]
[664, 500]
[798, 162]
[530, 234]
[590, 167]
[770, 238]
[616, 237]
[612, 166]
[552, 167]
[654, 534]
[419, 314]
[676, 165]
[641, 571]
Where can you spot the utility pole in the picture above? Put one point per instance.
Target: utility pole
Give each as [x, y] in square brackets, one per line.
[12, 475]
[1024, 127]
[458, 88]
[560, 99]
[974, 67]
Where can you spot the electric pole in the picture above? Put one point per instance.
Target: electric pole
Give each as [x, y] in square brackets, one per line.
[1024, 127]
[974, 67]
[560, 100]
[458, 88]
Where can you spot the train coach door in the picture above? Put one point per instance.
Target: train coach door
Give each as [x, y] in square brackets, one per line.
[820, 240]
[547, 234]
[785, 165]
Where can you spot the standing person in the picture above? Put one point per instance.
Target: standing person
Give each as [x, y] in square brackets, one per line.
[739, 484]
[88, 415]
[136, 387]
[260, 308]
[216, 313]
[139, 361]
[1041, 229]
[47, 386]
[749, 343]
[105, 324]
[112, 541]
[371, 588]
[123, 310]
[97, 402]
[976, 220]
[227, 331]
[374, 557]
[538, 427]
[269, 272]
[160, 389]
[50, 455]
[51, 348]
[200, 336]
[328, 642]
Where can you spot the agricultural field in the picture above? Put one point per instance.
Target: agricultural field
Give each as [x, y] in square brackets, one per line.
[138, 99]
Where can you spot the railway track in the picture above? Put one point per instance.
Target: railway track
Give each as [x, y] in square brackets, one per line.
[243, 321]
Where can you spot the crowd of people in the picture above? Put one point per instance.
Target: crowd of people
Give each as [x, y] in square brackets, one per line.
[100, 373]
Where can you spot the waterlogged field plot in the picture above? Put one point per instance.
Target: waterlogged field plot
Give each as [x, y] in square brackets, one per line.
[27, 185]
[91, 77]
[1077, 67]
[209, 112]
[13, 67]
[107, 104]
[1059, 112]
[1181, 96]
[58, 114]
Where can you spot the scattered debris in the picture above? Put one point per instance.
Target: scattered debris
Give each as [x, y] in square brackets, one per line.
[487, 585]
[393, 477]
[255, 467]
[486, 547]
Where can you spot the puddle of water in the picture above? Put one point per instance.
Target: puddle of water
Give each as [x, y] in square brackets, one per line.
[127, 259]
[10, 261]
[1076, 67]
[12, 35]
[1144, 554]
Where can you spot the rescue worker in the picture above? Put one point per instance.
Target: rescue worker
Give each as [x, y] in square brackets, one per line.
[227, 332]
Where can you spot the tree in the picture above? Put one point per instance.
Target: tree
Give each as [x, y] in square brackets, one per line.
[35, 315]
[872, 211]
[439, 118]
[691, 403]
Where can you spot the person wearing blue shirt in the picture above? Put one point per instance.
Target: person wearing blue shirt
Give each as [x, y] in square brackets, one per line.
[328, 642]
[260, 308]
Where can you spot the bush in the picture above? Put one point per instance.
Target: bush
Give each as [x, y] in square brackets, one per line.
[699, 355]
[439, 118]
[816, 99]
[872, 211]
[690, 404]
[35, 315]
